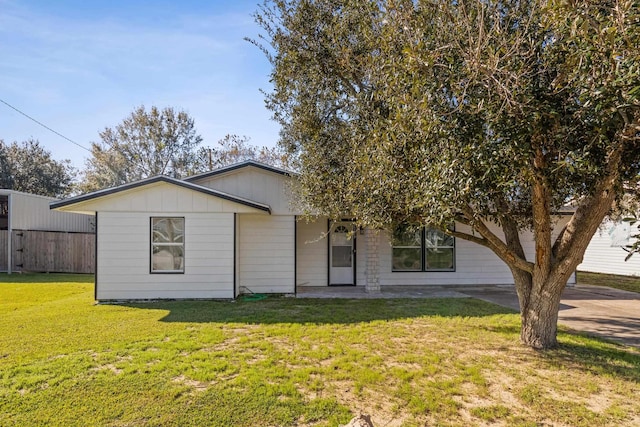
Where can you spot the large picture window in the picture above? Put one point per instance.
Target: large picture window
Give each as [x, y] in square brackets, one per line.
[167, 245]
[422, 249]
[407, 249]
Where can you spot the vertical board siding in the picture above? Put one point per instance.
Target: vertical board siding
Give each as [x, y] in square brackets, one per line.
[266, 254]
[4, 237]
[124, 257]
[312, 253]
[605, 253]
[31, 212]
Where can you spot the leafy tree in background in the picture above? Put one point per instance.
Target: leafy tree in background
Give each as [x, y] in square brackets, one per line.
[163, 142]
[234, 149]
[147, 143]
[492, 114]
[28, 167]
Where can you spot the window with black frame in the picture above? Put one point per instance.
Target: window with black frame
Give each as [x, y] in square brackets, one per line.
[407, 248]
[422, 249]
[167, 245]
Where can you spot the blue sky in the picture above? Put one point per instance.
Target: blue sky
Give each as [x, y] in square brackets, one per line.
[81, 66]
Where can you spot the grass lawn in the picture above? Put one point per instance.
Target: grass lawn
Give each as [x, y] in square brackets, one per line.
[288, 362]
[626, 283]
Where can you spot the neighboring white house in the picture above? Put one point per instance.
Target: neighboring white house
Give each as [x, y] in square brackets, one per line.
[21, 212]
[606, 252]
[233, 230]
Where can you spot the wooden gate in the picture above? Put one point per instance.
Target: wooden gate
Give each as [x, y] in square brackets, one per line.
[51, 251]
[4, 239]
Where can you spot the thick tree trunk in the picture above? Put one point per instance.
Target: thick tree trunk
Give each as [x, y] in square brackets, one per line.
[540, 321]
[540, 284]
[539, 305]
[540, 325]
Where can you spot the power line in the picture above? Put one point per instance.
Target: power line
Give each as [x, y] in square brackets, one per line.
[43, 125]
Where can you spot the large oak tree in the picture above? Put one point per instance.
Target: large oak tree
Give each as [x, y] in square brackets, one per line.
[29, 167]
[476, 111]
[144, 144]
[163, 142]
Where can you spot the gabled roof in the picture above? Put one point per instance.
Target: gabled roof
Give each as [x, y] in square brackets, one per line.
[155, 179]
[240, 165]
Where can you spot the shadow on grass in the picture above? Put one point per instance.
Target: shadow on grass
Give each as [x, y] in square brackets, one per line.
[319, 311]
[575, 350]
[626, 283]
[595, 355]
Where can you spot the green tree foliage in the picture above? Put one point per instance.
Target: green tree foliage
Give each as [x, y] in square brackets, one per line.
[28, 167]
[480, 112]
[164, 142]
[147, 143]
[234, 149]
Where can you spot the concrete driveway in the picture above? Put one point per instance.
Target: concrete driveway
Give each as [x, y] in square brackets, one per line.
[604, 312]
[595, 310]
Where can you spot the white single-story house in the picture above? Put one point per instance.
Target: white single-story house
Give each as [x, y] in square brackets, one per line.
[233, 230]
[607, 250]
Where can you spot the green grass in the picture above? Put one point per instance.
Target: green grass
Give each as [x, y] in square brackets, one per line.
[293, 362]
[626, 283]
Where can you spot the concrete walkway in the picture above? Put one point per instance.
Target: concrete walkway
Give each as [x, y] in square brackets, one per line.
[605, 312]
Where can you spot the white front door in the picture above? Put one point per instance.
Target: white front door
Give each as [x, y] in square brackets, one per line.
[341, 253]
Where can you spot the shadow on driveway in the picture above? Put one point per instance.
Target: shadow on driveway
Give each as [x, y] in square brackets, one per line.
[595, 310]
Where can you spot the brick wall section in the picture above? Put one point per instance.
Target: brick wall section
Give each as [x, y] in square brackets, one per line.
[372, 273]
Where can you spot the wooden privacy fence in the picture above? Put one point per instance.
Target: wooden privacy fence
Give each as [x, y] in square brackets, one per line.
[49, 251]
[4, 234]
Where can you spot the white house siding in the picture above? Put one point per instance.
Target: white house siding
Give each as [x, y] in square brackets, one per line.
[123, 257]
[31, 212]
[266, 254]
[159, 197]
[313, 255]
[605, 253]
[266, 260]
[254, 184]
[474, 264]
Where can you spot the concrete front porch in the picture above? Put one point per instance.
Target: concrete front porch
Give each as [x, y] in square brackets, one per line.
[360, 292]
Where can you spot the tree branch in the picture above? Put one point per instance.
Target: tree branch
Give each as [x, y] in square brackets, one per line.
[493, 242]
[589, 214]
[541, 200]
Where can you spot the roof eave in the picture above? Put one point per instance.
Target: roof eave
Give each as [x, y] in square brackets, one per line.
[236, 166]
